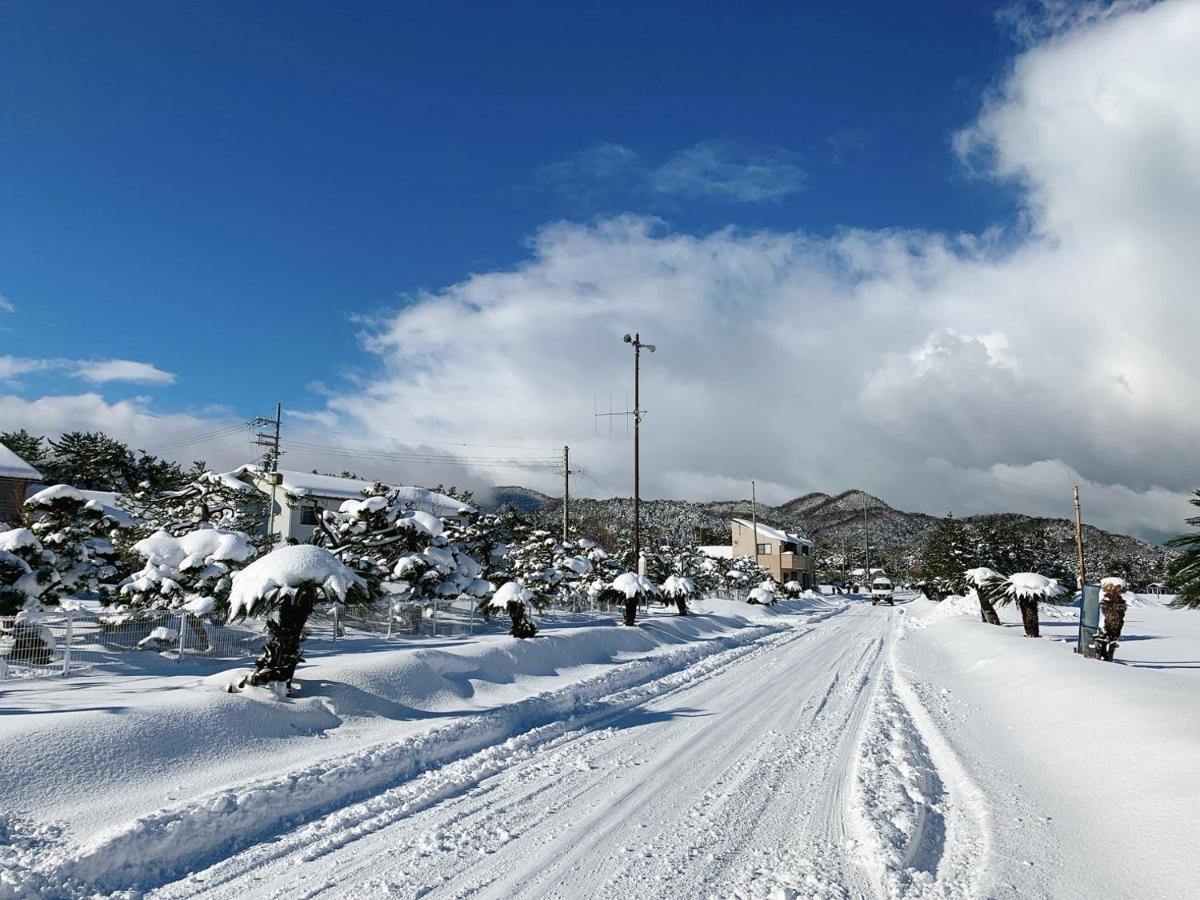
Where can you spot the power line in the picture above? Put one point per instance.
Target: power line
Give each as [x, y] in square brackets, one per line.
[199, 438]
[455, 443]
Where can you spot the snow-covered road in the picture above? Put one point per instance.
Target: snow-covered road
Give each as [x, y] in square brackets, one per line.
[737, 776]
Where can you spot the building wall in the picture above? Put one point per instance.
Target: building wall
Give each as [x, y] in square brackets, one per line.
[775, 562]
[12, 499]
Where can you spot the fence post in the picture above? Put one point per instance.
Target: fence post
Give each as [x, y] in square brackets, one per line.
[334, 609]
[433, 623]
[66, 670]
[182, 631]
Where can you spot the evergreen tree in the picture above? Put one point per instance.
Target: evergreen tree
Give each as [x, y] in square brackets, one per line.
[29, 574]
[988, 585]
[1028, 589]
[679, 588]
[945, 555]
[1112, 607]
[284, 586]
[30, 447]
[1183, 572]
[76, 531]
[514, 598]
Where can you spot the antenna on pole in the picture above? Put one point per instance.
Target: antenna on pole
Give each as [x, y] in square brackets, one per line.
[271, 440]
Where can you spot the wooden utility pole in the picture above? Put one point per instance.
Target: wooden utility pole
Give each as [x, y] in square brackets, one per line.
[754, 519]
[566, 491]
[269, 440]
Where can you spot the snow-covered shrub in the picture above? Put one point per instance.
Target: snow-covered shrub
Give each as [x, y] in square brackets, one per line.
[792, 589]
[180, 569]
[514, 598]
[1113, 604]
[76, 532]
[1028, 589]
[635, 589]
[679, 588]
[763, 594]
[29, 571]
[283, 587]
[988, 587]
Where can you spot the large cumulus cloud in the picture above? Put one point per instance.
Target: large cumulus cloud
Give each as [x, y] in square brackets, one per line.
[940, 371]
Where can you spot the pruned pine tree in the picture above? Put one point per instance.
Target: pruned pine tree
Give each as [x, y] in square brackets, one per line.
[763, 594]
[1113, 605]
[402, 555]
[679, 589]
[743, 573]
[194, 570]
[283, 587]
[514, 598]
[1029, 589]
[988, 585]
[209, 500]
[77, 532]
[1183, 572]
[29, 572]
[635, 589]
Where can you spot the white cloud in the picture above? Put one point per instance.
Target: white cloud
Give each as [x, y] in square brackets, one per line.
[716, 170]
[97, 371]
[726, 170]
[100, 371]
[822, 363]
[6, 305]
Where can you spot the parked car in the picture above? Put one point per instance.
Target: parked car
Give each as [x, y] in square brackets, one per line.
[881, 592]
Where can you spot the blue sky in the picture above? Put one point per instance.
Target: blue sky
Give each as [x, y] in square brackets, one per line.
[189, 184]
[942, 251]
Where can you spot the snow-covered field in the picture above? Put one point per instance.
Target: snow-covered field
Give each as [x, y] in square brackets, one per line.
[819, 748]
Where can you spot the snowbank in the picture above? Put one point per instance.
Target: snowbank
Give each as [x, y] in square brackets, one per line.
[392, 713]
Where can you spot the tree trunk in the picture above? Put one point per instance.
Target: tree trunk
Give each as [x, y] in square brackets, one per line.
[987, 611]
[681, 604]
[1109, 635]
[522, 625]
[1029, 616]
[631, 611]
[281, 654]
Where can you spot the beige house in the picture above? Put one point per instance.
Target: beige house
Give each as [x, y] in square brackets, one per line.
[16, 476]
[788, 557]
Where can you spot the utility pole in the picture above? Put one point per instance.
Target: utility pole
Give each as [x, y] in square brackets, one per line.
[636, 340]
[754, 519]
[566, 491]
[269, 440]
[866, 544]
[1079, 539]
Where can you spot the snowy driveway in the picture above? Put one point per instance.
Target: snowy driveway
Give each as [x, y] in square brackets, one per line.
[737, 781]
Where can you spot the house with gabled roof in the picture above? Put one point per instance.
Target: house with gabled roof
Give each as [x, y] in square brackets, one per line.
[788, 557]
[16, 476]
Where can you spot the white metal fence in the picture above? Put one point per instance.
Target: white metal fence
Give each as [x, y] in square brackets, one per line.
[69, 643]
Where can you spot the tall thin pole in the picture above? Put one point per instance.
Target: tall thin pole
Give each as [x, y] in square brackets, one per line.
[278, 419]
[754, 519]
[637, 423]
[1079, 539]
[566, 491]
[866, 544]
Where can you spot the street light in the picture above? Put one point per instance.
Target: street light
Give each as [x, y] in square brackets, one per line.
[638, 346]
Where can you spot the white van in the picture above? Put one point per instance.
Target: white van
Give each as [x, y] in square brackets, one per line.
[881, 592]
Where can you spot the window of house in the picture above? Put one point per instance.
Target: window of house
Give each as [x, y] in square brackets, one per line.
[308, 515]
[804, 549]
[764, 549]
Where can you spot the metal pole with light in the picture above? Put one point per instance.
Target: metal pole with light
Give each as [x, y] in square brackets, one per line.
[635, 340]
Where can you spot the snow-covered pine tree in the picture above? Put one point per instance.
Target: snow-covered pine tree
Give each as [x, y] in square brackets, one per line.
[30, 573]
[635, 589]
[283, 587]
[1183, 572]
[763, 593]
[191, 569]
[1028, 589]
[945, 555]
[514, 598]
[77, 532]
[402, 555]
[1112, 621]
[988, 585]
[679, 589]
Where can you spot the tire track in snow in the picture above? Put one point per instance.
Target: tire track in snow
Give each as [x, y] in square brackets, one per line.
[922, 822]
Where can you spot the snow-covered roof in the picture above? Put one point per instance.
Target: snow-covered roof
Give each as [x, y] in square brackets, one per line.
[306, 484]
[717, 551]
[774, 534]
[12, 466]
